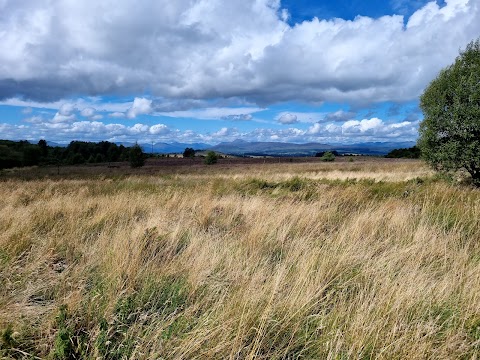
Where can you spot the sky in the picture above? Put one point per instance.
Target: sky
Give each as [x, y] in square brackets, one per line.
[210, 71]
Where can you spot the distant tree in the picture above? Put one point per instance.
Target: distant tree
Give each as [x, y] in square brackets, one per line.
[450, 132]
[42, 144]
[321, 153]
[211, 158]
[137, 157]
[407, 153]
[189, 153]
[76, 159]
[328, 156]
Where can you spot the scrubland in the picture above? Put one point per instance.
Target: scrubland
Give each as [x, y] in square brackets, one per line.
[363, 260]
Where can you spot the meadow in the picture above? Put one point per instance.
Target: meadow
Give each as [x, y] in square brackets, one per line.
[359, 259]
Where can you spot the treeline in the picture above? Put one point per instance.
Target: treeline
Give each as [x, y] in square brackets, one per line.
[24, 153]
[407, 153]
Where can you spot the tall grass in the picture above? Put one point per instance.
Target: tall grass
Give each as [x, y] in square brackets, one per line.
[281, 263]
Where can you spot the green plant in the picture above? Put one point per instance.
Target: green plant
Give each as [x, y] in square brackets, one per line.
[450, 132]
[63, 345]
[211, 158]
[328, 156]
[136, 157]
[189, 153]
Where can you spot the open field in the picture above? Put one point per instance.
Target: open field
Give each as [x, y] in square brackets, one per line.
[370, 259]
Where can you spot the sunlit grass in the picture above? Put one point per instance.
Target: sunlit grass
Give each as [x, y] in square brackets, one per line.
[274, 261]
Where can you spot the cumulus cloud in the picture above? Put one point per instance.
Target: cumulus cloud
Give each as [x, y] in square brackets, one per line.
[287, 119]
[373, 129]
[140, 106]
[206, 49]
[117, 115]
[159, 129]
[224, 132]
[65, 113]
[91, 114]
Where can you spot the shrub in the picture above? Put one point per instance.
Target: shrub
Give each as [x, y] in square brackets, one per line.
[211, 158]
[189, 153]
[328, 156]
[137, 157]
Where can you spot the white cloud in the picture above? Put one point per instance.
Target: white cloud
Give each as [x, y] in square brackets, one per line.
[140, 106]
[373, 129]
[339, 116]
[224, 132]
[287, 119]
[214, 113]
[88, 112]
[208, 49]
[159, 129]
[117, 115]
[238, 117]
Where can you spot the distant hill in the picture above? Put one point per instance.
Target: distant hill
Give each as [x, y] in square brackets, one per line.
[174, 147]
[240, 147]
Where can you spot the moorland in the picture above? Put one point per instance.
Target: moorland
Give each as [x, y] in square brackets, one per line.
[361, 258]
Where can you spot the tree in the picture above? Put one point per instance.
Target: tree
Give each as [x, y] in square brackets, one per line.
[407, 153]
[450, 132]
[211, 158]
[328, 156]
[189, 153]
[42, 144]
[137, 157]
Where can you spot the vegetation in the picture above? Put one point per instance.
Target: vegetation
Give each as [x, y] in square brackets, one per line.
[328, 157]
[136, 157]
[450, 132]
[322, 153]
[23, 153]
[406, 153]
[211, 158]
[372, 259]
[189, 153]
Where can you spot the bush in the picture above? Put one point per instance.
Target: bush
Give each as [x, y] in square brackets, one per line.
[137, 157]
[211, 158]
[189, 153]
[328, 156]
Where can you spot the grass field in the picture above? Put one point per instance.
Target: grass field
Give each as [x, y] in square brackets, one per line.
[370, 259]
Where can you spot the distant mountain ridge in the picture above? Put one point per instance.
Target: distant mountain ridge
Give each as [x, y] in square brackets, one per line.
[240, 147]
[269, 148]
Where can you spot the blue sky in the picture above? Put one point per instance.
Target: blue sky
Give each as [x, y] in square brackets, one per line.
[212, 71]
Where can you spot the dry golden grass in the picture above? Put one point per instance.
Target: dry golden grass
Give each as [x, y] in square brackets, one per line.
[274, 261]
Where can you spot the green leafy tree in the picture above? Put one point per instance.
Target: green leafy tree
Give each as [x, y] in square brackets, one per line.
[137, 157]
[211, 158]
[450, 132]
[42, 144]
[328, 156]
[189, 153]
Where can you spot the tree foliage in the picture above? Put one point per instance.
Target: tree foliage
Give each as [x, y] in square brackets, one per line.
[137, 157]
[406, 153]
[328, 156]
[450, 132]
[24, 153]
[211, 158]
[189, 153]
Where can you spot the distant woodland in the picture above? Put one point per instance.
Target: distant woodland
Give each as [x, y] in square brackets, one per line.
[24, 153]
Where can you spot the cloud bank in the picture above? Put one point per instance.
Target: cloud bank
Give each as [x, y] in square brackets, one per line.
[208, 49]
